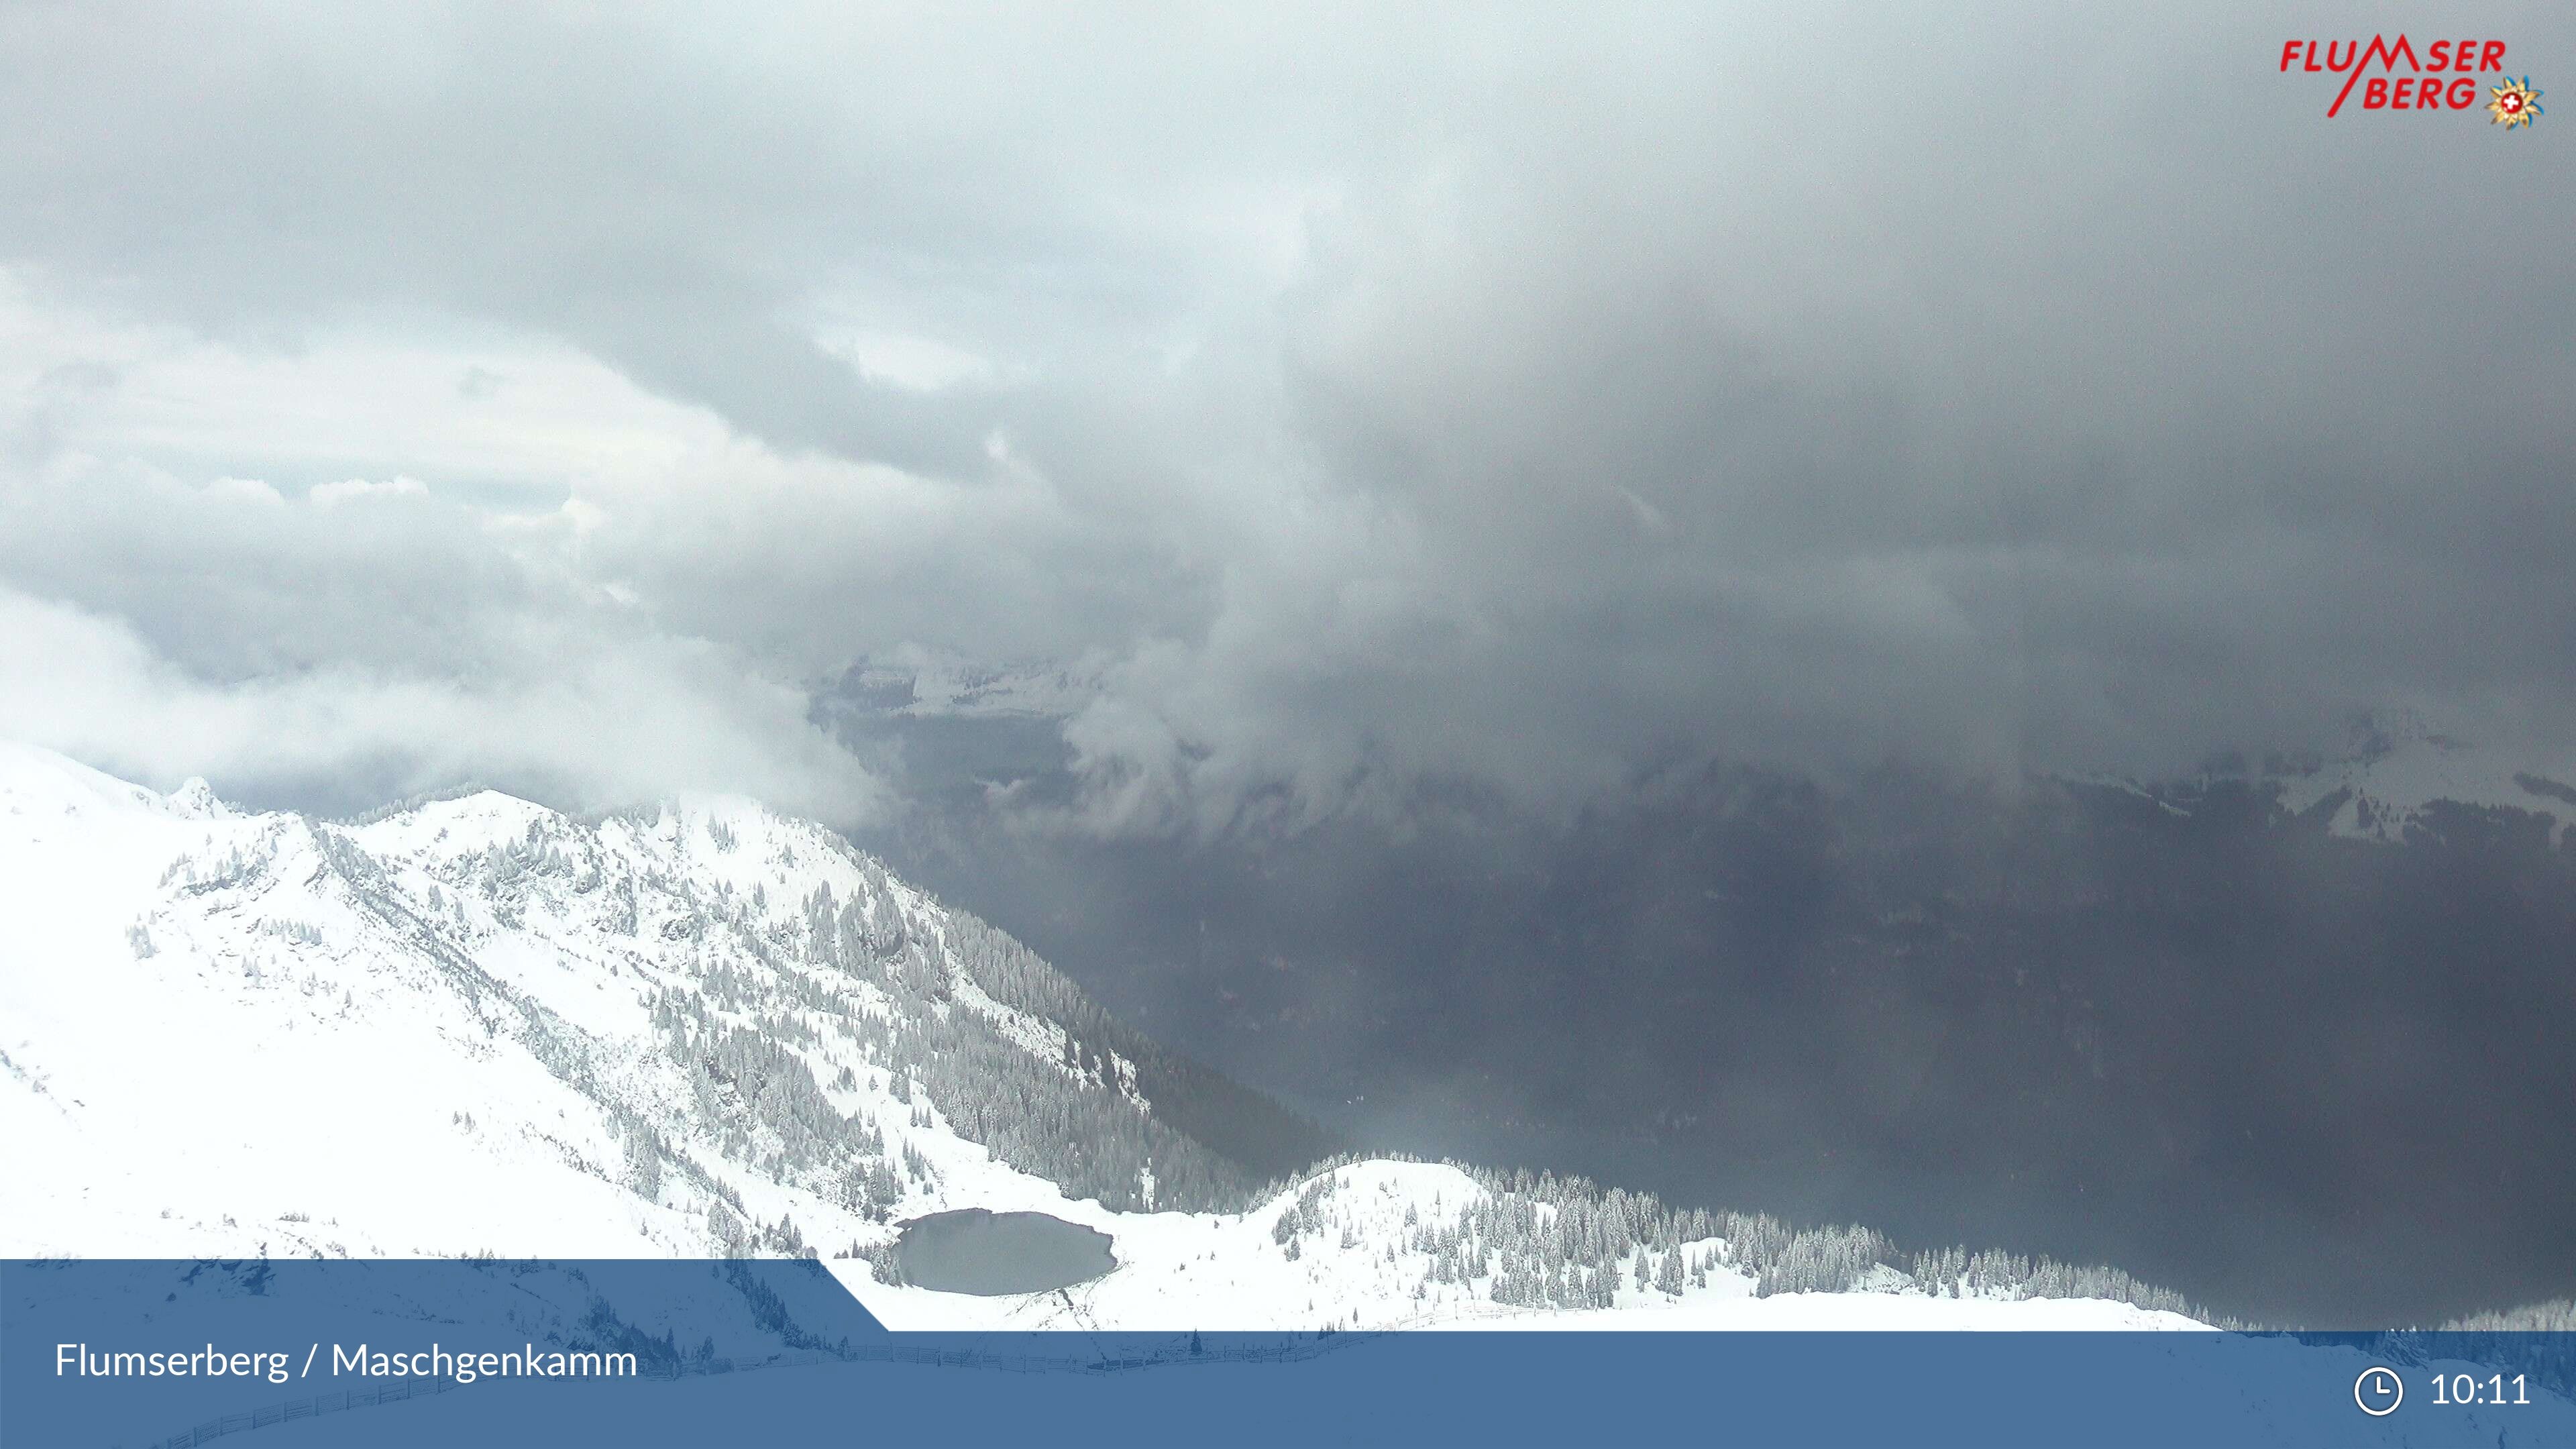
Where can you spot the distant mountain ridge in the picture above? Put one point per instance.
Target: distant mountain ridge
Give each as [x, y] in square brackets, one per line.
[475, 1025]
[2394, 768]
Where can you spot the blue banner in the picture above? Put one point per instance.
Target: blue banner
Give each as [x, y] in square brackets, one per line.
[501, 1353]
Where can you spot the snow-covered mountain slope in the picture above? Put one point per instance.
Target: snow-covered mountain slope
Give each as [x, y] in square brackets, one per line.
[477, 1025]
[2394, 771]
[1379, 1244]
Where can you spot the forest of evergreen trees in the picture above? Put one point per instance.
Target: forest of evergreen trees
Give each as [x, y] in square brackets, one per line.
[1081, 1119]
[1542, 1241]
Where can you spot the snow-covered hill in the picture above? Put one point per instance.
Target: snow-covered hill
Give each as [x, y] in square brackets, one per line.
[476, 1025]
[2394, 770]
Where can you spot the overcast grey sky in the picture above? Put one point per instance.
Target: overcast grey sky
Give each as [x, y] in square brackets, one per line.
[555, 396]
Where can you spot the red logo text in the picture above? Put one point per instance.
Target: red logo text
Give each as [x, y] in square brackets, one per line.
[2440, 79]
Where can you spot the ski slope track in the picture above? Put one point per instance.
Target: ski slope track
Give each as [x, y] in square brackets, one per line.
[477, 1026]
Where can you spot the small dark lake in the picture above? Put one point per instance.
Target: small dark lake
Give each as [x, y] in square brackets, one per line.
[974, 1251]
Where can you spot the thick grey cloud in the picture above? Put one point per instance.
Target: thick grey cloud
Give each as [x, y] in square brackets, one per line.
[1369, 397]
[368, 641]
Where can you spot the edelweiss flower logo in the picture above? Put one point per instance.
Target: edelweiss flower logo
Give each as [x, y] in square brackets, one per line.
[2515, 104]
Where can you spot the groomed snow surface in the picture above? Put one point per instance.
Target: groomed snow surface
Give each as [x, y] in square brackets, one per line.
[434, 1034]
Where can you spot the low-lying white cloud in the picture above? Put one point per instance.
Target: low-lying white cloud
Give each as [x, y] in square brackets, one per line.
[613, 726]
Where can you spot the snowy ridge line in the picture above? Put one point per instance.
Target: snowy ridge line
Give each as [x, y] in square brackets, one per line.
[411, 804]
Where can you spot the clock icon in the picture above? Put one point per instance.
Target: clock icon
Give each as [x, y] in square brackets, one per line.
[2378, 1391]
